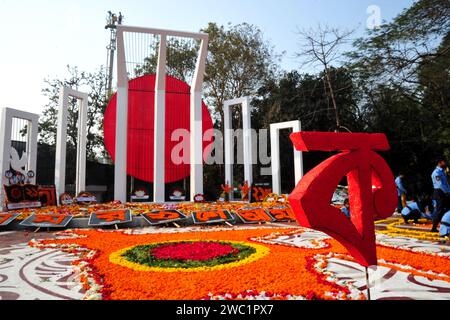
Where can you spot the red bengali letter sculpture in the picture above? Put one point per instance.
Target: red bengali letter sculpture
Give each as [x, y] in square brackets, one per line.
[371, 188]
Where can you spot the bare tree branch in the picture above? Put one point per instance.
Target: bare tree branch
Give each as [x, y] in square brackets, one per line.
[321, 47]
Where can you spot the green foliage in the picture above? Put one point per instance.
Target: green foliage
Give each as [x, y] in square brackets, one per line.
[304, 97]
[402, 72]
[393, 53]
[239, 62]
[94, 85]
[181, 59]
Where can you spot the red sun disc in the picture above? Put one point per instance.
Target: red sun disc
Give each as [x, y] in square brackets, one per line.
[141, 101]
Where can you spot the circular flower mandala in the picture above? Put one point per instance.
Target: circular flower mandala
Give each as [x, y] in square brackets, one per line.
[189, 256]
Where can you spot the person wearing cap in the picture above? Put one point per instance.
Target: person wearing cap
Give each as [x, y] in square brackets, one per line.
[412, 211]
[401, 192]
[445, 225]
[441, 192]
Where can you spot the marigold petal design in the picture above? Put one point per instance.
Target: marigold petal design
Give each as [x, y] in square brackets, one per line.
[275, 271]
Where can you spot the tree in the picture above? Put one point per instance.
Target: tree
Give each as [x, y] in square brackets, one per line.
[94, 84]
[321, 46]
[402, 70]
[181, 59]
[434, 82]
[393, 53]
[239, 62]
[303, 97]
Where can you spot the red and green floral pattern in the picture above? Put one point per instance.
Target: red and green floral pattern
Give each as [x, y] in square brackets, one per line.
[196, 251]
[188, 254]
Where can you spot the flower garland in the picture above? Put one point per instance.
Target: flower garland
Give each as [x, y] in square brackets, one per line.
[255, 295]
[319, 264]
[308, 244]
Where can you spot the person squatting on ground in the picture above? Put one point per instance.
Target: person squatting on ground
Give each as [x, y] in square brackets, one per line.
[412, 211]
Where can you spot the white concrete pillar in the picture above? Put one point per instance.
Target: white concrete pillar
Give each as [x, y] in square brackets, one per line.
[196, 122]
[80, 183]
[6, 119]
[248, 145]
[229, 149]
[160, 124]
[275, 154]
[120, 163]
[5, 146]
[61, 143]
[61, 140]
[196, 145]
[247, 139]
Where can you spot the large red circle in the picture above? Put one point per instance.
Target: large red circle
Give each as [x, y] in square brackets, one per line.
[141, 103]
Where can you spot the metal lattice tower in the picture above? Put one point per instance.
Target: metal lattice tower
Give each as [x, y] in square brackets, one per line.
[112, 21]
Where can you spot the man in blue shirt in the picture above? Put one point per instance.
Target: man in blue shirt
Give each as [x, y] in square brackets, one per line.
[441, 192]
[412, 211]
[401, 191]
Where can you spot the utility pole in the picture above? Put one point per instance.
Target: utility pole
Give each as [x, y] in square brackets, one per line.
[112, 21]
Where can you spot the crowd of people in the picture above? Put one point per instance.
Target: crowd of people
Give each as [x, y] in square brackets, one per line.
[435, 208]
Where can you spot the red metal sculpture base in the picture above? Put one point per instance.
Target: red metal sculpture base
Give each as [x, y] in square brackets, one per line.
[371, 187]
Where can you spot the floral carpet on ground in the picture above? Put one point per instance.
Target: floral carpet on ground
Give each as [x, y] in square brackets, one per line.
[394, 226]
[421, 230]
[235, 263]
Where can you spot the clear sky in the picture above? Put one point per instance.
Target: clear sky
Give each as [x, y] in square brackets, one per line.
[40, 37]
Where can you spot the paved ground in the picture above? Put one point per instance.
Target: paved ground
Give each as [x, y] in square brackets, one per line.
[386, 283]
[30, 273]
